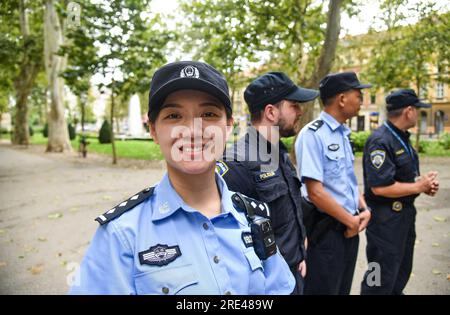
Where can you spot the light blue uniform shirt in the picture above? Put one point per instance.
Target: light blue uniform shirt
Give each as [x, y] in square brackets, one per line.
[326, 156]
[211, 257]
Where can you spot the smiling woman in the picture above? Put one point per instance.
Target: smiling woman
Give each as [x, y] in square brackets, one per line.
[189, 234]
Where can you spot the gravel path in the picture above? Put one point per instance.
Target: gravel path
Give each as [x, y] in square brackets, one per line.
[48, 203]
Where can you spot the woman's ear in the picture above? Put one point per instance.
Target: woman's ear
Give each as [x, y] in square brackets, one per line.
[153, 132]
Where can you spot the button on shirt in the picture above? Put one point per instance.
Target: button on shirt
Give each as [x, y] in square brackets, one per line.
[326, 155]
[211, 257]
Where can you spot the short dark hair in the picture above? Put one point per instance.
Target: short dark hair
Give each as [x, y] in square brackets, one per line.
[257, 115]
[152, 116]
[328, 100]
[395, 112]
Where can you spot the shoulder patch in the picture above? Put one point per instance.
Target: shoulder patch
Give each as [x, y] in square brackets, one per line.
[377, 158]
[124, 206]
[221, 168]
[250, 206]
[316, 125]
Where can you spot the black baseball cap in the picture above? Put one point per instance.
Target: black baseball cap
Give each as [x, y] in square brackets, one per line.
[192, 75]
[403, 98]
[335, 83]
[273, 87]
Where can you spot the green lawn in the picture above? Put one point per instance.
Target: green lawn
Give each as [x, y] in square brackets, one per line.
[135, 149]
[148, 150]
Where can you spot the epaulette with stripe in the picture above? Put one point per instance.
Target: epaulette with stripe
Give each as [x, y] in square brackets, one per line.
[124, 206]
[259, 208]
[316, 125]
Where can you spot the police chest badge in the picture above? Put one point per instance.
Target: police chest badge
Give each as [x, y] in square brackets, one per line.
[159, 255]
[333, 147]
[377, 158]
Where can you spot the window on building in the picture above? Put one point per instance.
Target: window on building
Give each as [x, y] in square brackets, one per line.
[372, 98]
[439, 90]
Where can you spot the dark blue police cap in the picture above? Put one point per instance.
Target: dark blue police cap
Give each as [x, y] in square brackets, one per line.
[335, 83]
[272, 87]
[403, 98]
[192, 75]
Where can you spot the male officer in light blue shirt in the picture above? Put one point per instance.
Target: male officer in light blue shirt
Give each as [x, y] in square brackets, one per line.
[157, 241]
[325, 164]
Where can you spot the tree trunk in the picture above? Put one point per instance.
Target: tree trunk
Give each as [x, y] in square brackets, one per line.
[324, 62]
[58, 135]
[327, 54]
[113, 143]
[24, 82]
[82, 100]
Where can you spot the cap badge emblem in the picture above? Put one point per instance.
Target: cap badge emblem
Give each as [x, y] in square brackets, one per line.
[189, 72]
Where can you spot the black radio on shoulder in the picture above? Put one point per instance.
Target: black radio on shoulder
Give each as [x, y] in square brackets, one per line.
[260, 227]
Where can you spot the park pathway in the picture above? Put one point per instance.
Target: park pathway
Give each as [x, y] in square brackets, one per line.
[48, 203]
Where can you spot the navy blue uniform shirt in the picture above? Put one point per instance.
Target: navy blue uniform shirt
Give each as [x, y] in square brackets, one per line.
[278, 187]
[387, 160]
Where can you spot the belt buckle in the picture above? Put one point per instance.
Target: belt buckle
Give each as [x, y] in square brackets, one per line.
[397, 206]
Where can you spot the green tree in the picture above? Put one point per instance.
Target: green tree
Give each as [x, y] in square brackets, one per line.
[20, 58]
[298, 37]
[134, 44]
[407, 54]
[54, 39]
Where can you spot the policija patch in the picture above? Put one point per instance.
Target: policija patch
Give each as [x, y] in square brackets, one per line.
[159, 255]
[377, 158]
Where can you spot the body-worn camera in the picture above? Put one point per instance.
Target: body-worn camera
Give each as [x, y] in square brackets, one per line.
[260, 225]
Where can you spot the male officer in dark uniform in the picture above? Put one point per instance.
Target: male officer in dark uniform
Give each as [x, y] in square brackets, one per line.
[392, 182]
[258, 164]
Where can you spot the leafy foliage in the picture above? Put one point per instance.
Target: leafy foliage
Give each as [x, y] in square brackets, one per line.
[231, 34]
[407, 55]
[45, 130]
[104, 135]
[72, 133]
[359, 139]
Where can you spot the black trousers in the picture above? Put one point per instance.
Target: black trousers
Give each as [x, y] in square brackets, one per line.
[390, 244]
[331, 264]
[299, 281]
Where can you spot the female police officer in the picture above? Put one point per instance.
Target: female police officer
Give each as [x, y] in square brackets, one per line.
[186, 235]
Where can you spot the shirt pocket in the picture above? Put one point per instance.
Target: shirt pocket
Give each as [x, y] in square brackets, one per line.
[167, 280]
[257, 280]
[405, 169]
[334, 164]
